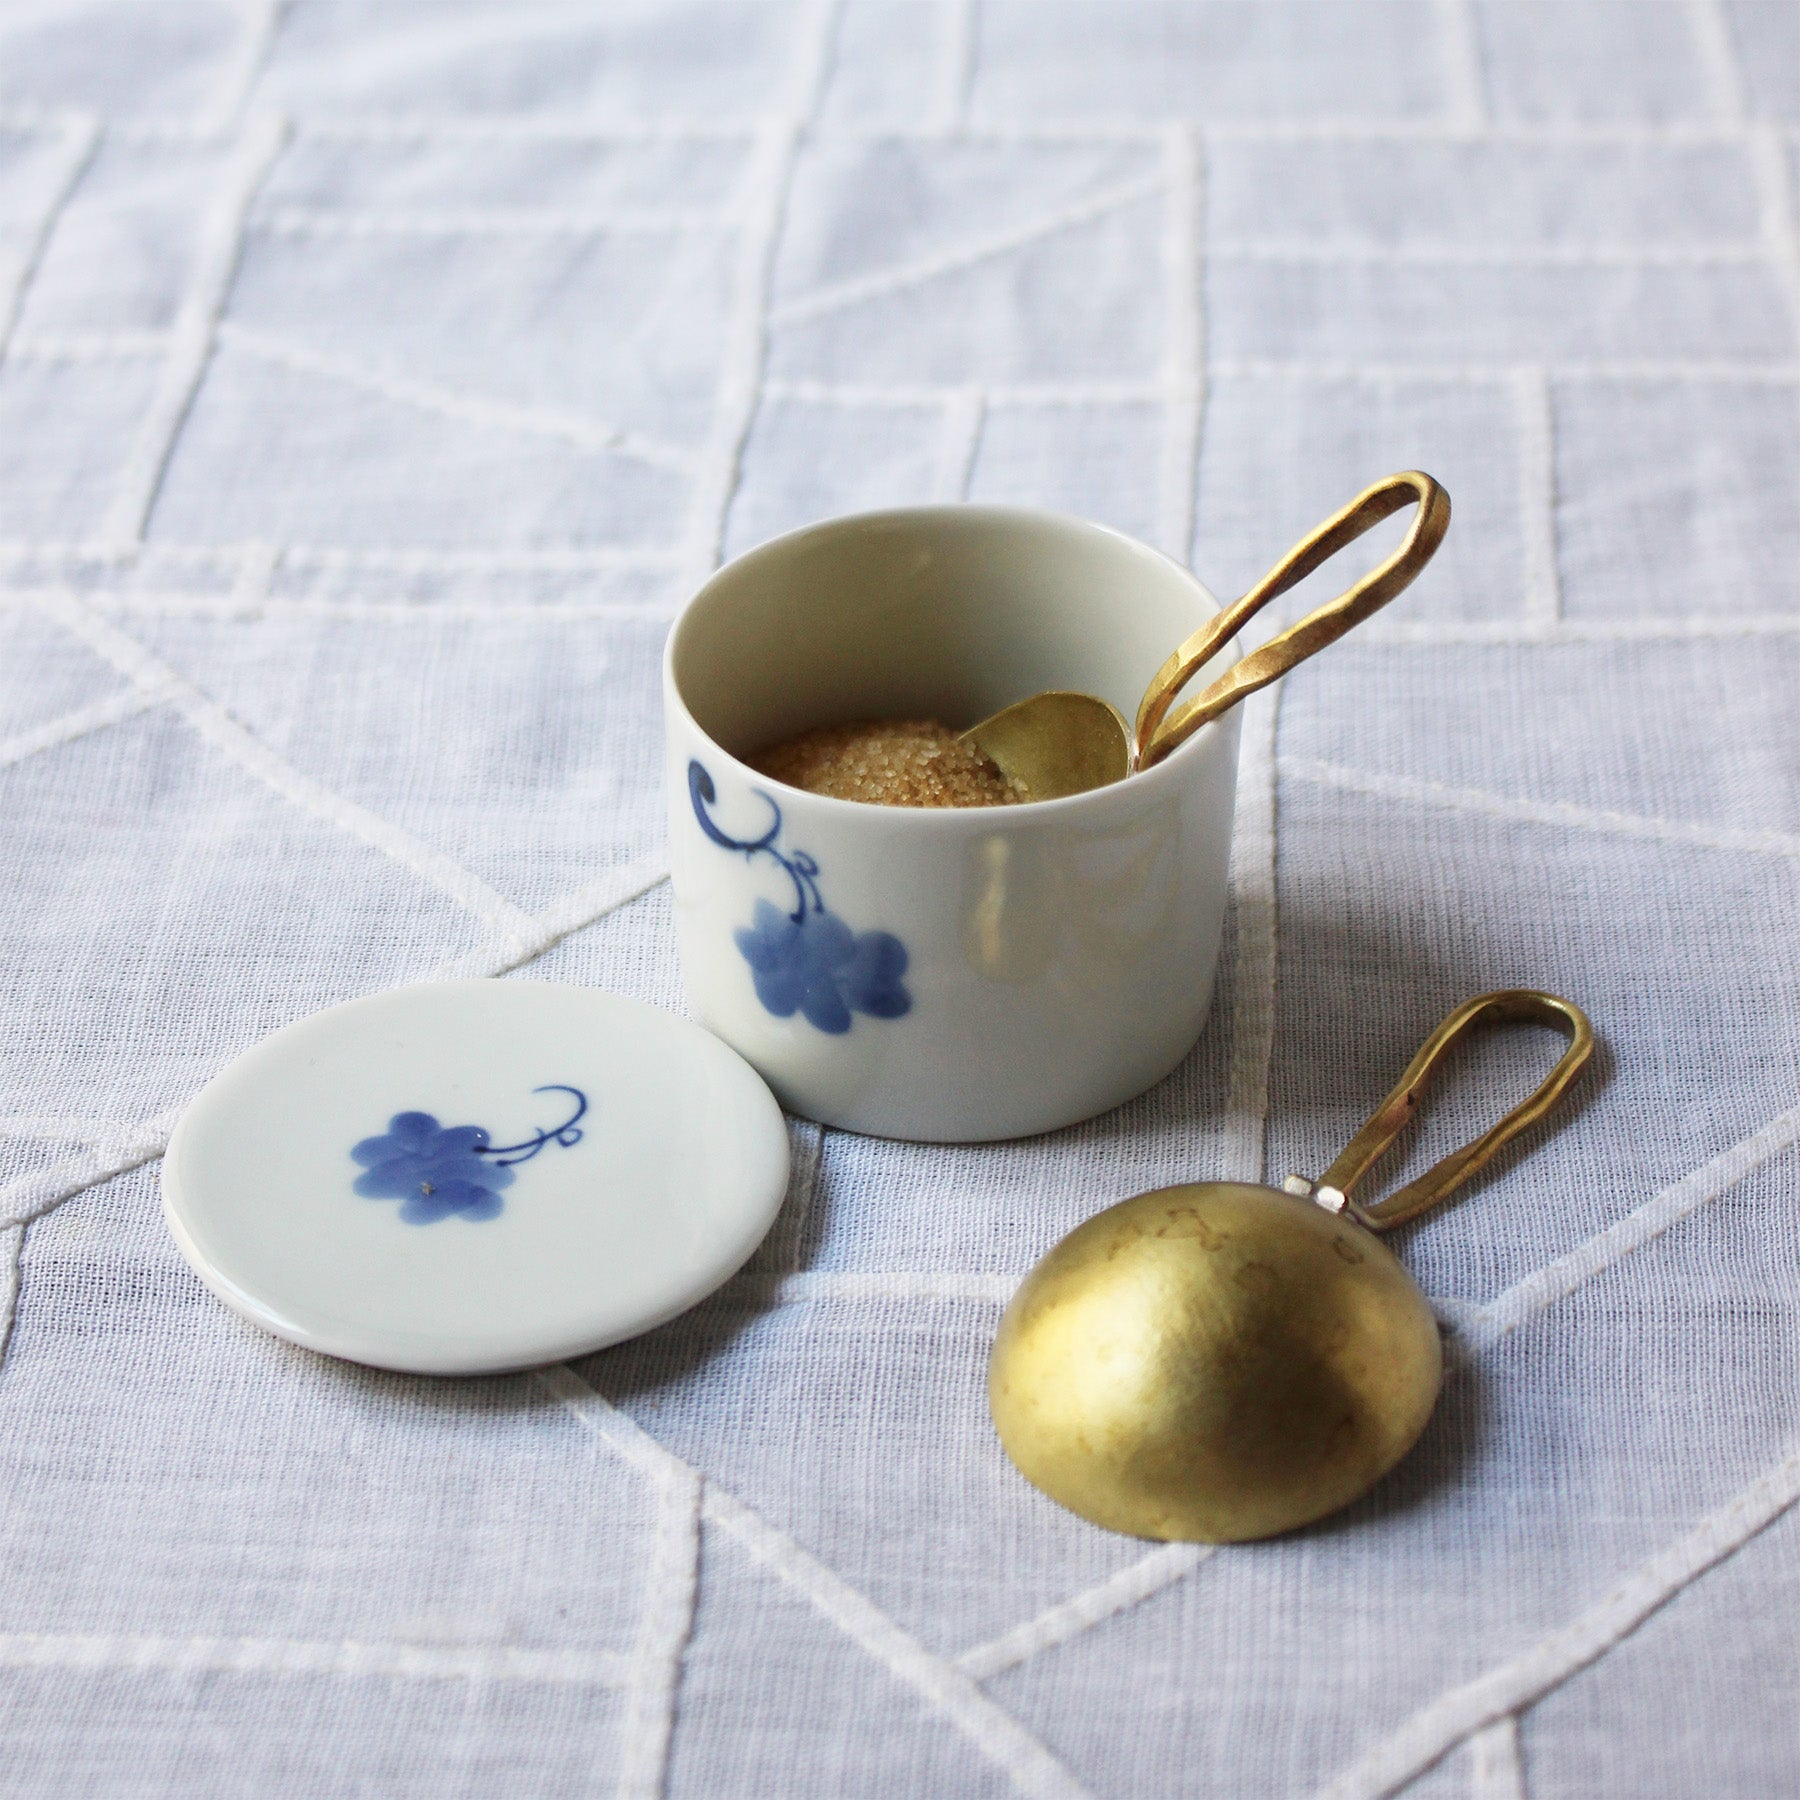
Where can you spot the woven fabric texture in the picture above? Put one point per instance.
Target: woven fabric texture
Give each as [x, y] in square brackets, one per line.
[375, 382]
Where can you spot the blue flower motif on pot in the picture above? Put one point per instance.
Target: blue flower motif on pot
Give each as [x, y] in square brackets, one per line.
[436, 1171]
[808, 960]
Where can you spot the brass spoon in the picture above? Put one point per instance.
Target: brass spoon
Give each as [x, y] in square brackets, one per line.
[1060, 743]
[1224, 1360]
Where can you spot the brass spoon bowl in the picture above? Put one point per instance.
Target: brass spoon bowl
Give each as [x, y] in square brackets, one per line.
[1062, 743]
[1223, 1360]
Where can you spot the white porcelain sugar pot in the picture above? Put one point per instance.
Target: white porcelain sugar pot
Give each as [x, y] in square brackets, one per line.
[946, 974]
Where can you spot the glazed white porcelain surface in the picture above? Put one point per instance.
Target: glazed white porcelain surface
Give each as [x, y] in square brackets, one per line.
[472, 1176]
[953, 974]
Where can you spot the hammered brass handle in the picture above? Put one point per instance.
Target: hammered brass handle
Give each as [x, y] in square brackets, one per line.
[1159, 731]
[1515, 1005]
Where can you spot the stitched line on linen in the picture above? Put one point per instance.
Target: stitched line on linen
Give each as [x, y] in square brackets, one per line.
[1154, 393]
[1583, 631]
[255, 574]
[240, 608]
[299, 1656]
[56, 1125]
[262, 25]
[996, 1733]
[1554, 1281]
[622, 128]
[1534, 420]
[804, 1286]
[248, 599]
[1634, 369]
[967, 256]
[1253, 848]
[1058, 1624]
[949, 1692]
[1396, 634]
[959, 442]
[113, 710]
[668, 1622]
[191, 342]
[242, 747]
[1539, 812]
[1775, 201]
[82, 139]
[1144, 392]
[31, 1196]
[123, 345]
[936, 395]
[1719, 72]
[585, 907]
[1438, 1727]
[411, 558]
[327, 221]
[768, 187]
[522, 128]
[1499, 1773]
[1491, 256]
[574, 558]
[741, 365]
[1465, 72]
[466, 409]
[12, 1246]
[1184, 339]
[781, 1252]
[1456, 1315]
[959, 30]
[88, 346]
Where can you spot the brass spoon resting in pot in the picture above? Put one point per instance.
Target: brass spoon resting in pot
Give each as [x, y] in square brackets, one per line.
[1058, 743]
[1224, 1360]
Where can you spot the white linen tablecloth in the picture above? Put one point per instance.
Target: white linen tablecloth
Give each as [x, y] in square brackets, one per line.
[376, 380]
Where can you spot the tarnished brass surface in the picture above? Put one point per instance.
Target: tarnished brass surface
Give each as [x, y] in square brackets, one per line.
[1060, 743]
[1518, 1006]
[1057, 743]
[1159, 731]
[1224, 1361]
[1216, 1362]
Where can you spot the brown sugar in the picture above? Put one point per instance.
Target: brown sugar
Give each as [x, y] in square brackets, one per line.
[889, 762]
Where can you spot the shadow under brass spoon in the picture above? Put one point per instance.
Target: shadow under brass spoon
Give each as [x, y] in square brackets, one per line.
[1059, 743]
[1224, 1360]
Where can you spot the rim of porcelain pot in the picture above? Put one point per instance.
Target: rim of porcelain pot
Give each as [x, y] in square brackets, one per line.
[944, 818]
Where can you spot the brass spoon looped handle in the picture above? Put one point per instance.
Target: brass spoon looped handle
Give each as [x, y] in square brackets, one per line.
[1159, 731]
[1515, 1005]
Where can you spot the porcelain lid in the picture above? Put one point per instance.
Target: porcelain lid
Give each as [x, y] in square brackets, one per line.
[473, 1176]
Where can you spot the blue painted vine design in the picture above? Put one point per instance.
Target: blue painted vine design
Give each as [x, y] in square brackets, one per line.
[807, 961]
[437, 1171]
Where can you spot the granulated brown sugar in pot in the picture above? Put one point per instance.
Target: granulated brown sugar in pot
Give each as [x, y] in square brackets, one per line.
[888, 762]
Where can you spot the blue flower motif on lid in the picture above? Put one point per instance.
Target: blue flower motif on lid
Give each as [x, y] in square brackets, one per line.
[808, 961]
[436, 1170]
